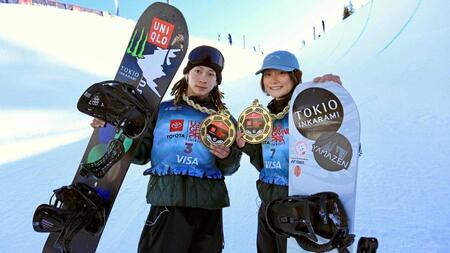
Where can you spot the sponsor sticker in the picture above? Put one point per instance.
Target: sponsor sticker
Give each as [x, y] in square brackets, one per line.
[333, 152]
[300, 148]
[317, 111]
[297, 170]
[160, 33]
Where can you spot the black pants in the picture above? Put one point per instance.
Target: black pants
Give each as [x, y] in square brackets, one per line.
[266, 240]
[182, 229]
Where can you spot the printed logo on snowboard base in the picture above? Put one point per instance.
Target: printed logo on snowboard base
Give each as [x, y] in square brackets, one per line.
[160, 33]
[301, 148]
[333, 152]
[297, 170]
[130, 73]
[317, 111]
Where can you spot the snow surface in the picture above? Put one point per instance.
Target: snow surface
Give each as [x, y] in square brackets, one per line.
[393, 57]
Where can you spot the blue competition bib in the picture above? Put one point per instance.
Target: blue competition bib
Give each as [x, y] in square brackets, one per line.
[276, 154]
[177, 148]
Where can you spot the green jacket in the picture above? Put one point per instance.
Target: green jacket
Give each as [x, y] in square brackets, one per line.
[187, 191]
[267, 192]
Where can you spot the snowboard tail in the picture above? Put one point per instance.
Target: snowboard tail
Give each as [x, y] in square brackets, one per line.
[153, 55]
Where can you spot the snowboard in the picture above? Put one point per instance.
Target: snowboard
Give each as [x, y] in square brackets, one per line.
[324, 145]
[155, 51]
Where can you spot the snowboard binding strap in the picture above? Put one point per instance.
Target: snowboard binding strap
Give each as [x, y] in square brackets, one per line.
[76, 207]
[99, 168]
[305, 217]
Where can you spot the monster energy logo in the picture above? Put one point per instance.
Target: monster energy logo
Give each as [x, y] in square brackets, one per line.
[137, 50]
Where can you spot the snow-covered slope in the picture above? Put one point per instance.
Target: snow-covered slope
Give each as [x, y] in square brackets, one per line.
[393, 57]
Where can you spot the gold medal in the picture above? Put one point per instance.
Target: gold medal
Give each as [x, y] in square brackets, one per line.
[217, 129]
[255, 122]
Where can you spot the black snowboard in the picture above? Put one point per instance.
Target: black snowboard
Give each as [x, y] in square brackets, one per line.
[155, 51]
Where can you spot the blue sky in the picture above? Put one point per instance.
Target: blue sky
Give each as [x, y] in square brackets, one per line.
[266, 24]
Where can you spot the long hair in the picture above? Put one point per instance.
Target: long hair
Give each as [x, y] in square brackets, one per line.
[181, 86]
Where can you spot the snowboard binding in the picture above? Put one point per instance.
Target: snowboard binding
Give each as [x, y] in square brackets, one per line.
[76, 207]
[305, 217]
[118, 104]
